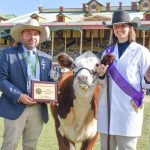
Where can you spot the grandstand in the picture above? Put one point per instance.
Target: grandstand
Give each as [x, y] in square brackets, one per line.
[80, 29]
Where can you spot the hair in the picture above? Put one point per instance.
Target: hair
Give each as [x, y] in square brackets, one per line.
[132, 36]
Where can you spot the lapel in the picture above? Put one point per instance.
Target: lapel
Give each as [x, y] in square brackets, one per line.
[126, 57]
[22, 61]
[116, 52]
[41, 64]
[128, 51]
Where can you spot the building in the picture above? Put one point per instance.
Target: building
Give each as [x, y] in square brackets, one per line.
[83, 28]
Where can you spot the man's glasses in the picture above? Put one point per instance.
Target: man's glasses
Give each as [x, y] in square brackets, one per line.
[120, 26]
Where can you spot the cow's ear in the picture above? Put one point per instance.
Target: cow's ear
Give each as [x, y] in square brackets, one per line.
[65, 60]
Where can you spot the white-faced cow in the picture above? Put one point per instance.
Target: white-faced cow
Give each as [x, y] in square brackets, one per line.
[75, 117]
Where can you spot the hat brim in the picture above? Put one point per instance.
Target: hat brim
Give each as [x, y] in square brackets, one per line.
[134, 24]
[19, 28]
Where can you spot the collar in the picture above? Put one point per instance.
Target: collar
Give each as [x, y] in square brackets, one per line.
[26, 50]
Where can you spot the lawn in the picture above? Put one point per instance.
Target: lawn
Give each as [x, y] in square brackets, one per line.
[48, 140]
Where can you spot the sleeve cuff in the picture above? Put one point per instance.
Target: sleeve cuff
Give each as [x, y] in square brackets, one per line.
[146, 81]
[102, 77]
[19, 99]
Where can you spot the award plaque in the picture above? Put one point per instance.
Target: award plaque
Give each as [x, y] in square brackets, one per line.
[43, 91]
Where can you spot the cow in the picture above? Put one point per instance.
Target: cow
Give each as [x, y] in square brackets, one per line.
[75, 117]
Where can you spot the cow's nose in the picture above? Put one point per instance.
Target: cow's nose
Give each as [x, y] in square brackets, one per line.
[82, 79]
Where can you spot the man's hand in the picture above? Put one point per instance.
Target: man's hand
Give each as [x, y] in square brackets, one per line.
[25, 99]
[55, 103]
[147, 74]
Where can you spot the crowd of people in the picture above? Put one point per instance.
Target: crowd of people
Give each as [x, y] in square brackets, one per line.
[120, 109]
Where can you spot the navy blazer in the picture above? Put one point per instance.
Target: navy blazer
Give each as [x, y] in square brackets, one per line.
[13, 81]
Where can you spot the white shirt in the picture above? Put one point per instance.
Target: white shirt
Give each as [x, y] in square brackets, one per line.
[124, 120]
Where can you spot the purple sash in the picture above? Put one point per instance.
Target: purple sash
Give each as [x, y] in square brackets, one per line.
[123, 84]
[110, 49]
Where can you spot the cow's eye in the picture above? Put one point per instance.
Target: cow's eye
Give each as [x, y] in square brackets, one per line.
[97, 65]
[74, 66]
[93, 72]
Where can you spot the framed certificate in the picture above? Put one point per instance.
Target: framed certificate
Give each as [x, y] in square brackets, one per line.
[43, 91]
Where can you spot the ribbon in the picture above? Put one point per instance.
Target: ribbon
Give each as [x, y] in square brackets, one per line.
[125, 86]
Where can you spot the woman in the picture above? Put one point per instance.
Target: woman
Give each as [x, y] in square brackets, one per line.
[122, 123]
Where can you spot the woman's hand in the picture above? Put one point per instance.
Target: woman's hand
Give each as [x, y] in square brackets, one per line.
[147, 75]
[102, 69]
[107, 60]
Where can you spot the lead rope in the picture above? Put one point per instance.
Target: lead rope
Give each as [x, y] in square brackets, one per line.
[108, 110]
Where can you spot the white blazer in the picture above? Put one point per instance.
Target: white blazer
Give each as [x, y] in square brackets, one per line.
[124, 120]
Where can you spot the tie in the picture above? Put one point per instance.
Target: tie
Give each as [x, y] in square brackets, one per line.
[31, 68]
[32, 63]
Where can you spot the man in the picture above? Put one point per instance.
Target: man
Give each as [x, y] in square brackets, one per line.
[23, 116]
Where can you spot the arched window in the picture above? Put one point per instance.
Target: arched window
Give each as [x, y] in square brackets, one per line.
[93, 6]
[145, 3]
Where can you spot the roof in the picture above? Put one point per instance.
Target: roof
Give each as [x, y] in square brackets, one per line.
[145, 25]
[94, 0]
[20, 19]
[7, 16]
[76, 18]
[97, 18]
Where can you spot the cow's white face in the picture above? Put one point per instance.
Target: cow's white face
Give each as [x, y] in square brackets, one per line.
[86, 78]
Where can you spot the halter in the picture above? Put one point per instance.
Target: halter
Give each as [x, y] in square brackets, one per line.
[93, 73]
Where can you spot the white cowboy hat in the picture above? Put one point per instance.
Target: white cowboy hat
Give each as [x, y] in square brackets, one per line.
[30, 24]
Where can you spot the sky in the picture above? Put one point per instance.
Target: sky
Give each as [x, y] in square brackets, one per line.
[21, 7]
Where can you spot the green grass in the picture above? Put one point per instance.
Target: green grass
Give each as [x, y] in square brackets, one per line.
[48, 140]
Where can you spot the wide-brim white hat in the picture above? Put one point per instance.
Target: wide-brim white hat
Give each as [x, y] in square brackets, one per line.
[30, 24]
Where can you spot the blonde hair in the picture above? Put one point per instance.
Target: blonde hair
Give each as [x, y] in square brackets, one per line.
[132, 35]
